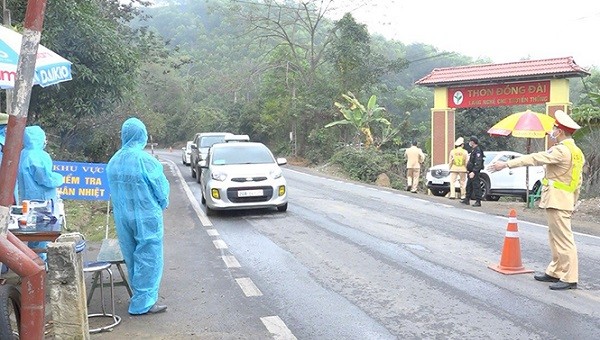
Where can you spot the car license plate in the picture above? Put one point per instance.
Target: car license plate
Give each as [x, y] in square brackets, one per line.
[437, 181]
[250, 193]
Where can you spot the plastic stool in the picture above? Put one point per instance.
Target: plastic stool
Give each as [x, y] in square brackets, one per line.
[97, 268]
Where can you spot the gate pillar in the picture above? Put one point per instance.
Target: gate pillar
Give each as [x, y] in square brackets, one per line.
[442, 127]
[559, 100]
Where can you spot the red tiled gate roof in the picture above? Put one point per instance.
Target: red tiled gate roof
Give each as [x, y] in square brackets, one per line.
[507, 72]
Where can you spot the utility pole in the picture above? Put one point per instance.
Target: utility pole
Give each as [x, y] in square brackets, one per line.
[12, 251]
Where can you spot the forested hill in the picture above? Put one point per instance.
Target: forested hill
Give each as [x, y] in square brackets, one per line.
[268, 70]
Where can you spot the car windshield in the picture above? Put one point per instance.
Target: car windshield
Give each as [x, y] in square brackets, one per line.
[208, 141]
[242, 155]
[489, 157]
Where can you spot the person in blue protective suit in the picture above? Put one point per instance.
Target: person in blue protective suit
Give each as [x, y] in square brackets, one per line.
[3, 122]
[139, 193]
[35, 177]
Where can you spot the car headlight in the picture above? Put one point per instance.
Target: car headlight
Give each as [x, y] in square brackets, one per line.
[219, 176]
[275, 174]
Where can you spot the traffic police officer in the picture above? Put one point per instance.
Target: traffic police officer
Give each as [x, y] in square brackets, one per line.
[474, 167]
[414, 158]
[564, 164]
[458, 168]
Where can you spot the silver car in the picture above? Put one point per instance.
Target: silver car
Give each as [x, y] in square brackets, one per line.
[186, 153]
[242, 176]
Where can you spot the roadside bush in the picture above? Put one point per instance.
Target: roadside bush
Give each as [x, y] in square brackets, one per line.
[363, 164]
[366, 164]
[320, 148]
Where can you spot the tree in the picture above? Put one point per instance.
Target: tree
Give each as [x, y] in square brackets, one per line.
[349, 52]
[94, 36]
[301, 33]
[360, 117]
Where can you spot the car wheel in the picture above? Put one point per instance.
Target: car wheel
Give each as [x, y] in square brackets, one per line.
[282, 208]
[10, 312]
[439, 192]
[484, 184]
[493, 198]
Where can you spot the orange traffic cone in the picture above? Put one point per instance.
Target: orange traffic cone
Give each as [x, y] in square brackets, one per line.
[510, 261]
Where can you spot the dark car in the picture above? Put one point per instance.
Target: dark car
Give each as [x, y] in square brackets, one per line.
[201, 143]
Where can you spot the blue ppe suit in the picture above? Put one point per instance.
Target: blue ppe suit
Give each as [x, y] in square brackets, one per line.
[36, 179]
[139, 193]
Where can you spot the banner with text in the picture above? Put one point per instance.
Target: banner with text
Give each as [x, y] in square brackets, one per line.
[528, 93]
[83, 181]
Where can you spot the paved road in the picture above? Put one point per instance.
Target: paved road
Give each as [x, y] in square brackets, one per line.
[352, 261]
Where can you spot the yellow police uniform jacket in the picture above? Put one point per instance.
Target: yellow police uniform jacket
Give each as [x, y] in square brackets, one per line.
[414, 157]
[559, 167]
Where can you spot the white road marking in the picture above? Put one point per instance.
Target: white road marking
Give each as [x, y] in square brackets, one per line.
[201, 215]
[231, 261]
[278, 328]
[248, 287]
[220, 244]
[212, 232]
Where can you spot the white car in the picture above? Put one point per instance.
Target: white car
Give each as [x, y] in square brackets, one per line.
[507, 182]
[186, 153]
[242, 176]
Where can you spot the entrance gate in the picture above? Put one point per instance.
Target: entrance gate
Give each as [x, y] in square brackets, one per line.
[518, 83]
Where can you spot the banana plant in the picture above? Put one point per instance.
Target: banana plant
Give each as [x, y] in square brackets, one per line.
[360, 117]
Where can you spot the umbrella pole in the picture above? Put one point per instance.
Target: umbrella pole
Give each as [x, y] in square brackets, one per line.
[527, 175]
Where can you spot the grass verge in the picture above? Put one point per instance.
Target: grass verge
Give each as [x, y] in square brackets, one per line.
[89, 218]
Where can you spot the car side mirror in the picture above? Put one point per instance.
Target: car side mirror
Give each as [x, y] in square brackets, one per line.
[194, 147]
[203, 164]
[281, 161]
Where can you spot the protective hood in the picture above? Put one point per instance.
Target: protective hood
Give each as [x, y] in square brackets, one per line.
[134, 134]
[34, 138]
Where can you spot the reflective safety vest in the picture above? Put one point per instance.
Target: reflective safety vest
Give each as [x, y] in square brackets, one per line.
[458, 157]
[577, 160]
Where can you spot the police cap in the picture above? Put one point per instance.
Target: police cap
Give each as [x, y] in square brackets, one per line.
[565, 122]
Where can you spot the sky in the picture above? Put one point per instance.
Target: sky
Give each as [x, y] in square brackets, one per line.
[503, 31]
